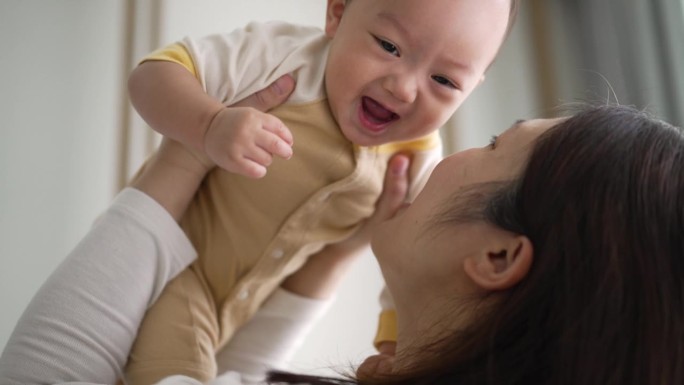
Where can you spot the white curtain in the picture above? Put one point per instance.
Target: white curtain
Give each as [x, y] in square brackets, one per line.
[636, 46]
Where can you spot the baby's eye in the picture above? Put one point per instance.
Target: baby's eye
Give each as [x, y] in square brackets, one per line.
[444, 81]
[387, 46]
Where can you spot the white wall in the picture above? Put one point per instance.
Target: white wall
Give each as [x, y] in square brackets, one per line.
[59, 100]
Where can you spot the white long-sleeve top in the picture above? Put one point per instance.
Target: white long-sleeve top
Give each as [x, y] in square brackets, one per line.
[79, 327]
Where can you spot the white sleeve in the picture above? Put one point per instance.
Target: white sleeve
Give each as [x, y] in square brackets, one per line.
[266, 342]
[272, 336]
[82, 322]
[386, 300]
[230, 378]
[235, 65]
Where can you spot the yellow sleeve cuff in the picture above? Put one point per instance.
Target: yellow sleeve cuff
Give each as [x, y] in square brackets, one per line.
[425, 143]
[387, 328]
[175, 53]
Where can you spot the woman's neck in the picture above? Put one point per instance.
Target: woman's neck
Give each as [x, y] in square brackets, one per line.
[421, 325]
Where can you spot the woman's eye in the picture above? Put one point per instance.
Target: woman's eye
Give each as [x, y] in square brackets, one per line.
[387, 46]
[444, 81]
[492, 141]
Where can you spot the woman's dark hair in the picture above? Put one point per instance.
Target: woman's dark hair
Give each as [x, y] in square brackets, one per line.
[602, 202]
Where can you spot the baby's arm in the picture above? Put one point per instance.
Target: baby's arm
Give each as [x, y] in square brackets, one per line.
[174, 162]
[172, 101]
[240, 139]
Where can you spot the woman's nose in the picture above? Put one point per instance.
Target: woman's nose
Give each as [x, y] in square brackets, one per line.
[403, 86]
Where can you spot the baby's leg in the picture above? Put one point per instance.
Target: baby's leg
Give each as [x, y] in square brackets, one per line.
[178, 335]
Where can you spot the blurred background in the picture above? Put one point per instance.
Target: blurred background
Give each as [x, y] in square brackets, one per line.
[69, 139]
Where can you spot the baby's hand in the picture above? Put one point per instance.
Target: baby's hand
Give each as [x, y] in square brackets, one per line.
[244, 140]
[394, 191]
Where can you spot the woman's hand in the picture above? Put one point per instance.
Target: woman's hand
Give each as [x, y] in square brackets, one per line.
[394, 192]
[321, 274]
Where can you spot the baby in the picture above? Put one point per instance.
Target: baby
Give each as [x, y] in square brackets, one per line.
[300, 180]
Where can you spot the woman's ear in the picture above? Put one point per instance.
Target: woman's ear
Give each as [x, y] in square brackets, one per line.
[503, 264]
[334, 16]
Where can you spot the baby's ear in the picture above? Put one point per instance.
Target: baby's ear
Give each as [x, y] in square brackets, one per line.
[333, 16]
[505, 262]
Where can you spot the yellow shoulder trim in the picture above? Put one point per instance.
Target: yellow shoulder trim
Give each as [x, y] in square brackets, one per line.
[387, 328]
[174, 53]
[425, 143]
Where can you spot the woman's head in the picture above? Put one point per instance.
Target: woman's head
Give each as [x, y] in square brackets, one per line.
[421, 255]
[587, 218]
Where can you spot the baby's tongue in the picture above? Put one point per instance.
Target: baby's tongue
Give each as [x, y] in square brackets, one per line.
[377, 112]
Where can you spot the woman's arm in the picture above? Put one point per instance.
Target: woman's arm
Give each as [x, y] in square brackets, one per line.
[82, 322]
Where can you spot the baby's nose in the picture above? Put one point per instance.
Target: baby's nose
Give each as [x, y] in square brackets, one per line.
[403, 86]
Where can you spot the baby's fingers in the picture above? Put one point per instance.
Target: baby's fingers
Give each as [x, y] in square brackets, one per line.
[254, 165]
[255, 162]
[275, 145]
[278, 128]
[395, 188]
[276, 138]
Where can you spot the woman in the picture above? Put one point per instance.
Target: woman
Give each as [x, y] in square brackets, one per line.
[551, 256]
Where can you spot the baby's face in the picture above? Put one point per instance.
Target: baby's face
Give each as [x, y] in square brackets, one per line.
[398, 69]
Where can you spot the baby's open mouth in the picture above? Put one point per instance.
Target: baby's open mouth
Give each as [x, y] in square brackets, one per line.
[376, 112]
